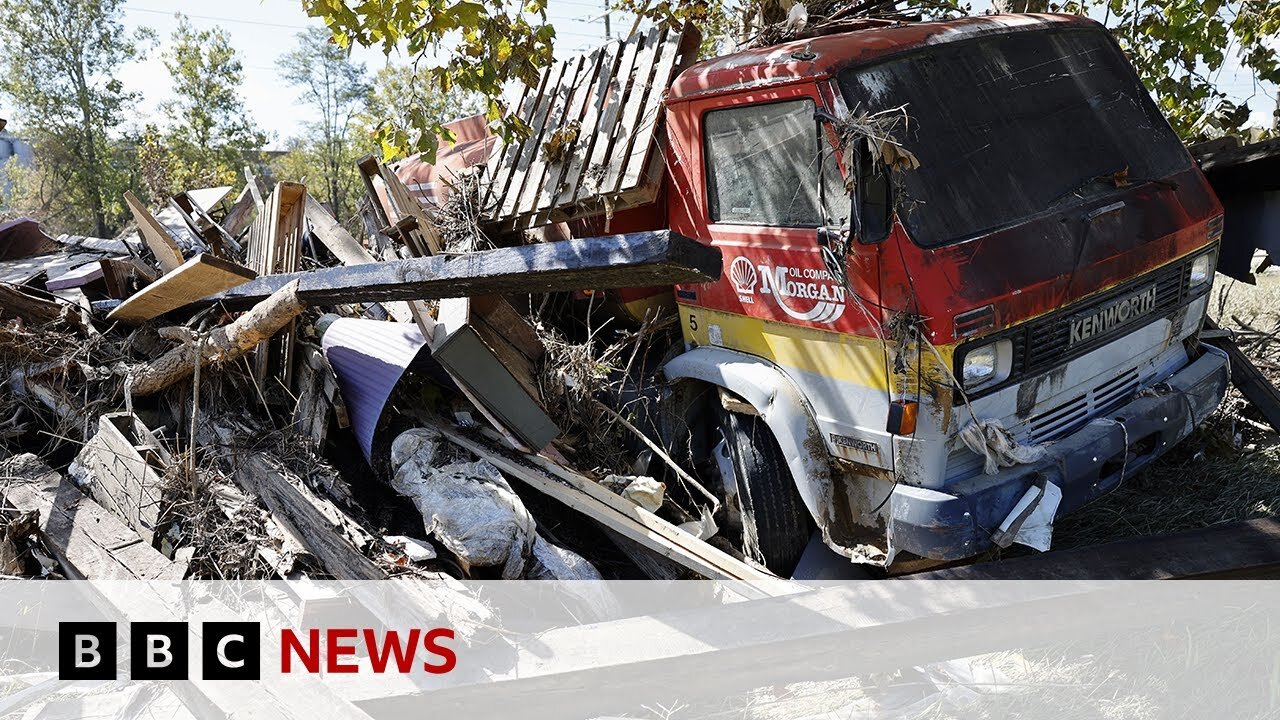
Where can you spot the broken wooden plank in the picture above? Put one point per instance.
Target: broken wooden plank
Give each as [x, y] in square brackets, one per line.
[126, 464]
[203, 226]
[241, 214]
[347, 249]
[311, 412]
[90, 542]
[256, 190]
[155, 235]
[618, 514]
[370, 168]
[123, 277]
[199, 277]
[1249, 380]
[635, 260]
[75, 277]
[587, 137]
[208, 199]
[14, 303]
[328, 533]
[333, 236]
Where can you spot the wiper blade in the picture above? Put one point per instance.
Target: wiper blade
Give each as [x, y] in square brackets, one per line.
[1118, 179]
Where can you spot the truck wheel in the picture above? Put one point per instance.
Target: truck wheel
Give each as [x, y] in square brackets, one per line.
[770, 503]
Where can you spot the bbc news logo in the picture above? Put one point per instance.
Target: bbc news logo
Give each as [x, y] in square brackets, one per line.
[159, 651]
[233, 651]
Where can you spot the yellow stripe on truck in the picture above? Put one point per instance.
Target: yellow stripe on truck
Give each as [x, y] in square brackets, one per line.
[848, 358]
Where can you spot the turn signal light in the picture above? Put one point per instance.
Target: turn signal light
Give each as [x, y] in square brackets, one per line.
[902, 417]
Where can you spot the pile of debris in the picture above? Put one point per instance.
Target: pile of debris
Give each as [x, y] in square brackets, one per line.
[205, 396]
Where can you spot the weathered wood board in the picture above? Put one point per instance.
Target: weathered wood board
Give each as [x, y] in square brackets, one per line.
[199, 277]
[594, 128]
[155, 235]
[89, 541]
[612, 261]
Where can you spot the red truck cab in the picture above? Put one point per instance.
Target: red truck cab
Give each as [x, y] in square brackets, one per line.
[1045, 269]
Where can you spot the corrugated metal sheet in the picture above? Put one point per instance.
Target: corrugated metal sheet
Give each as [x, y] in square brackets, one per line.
[369, 357]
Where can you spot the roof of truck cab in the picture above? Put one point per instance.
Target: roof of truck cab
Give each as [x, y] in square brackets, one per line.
[789, 62]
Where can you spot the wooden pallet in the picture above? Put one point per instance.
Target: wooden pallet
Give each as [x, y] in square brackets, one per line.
[613, 98]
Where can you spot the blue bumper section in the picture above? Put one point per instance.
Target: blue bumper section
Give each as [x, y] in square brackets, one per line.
[1085, 465]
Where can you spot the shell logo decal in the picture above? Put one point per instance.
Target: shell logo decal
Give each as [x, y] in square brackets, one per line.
[808, 294]
[743, 276]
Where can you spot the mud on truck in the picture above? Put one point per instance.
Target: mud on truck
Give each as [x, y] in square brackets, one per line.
[966, 264]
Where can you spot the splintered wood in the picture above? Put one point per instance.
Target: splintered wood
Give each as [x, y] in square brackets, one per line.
[275, 248]
[594, 122]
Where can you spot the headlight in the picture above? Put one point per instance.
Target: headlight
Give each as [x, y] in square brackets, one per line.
[987, 364]
[1202, 269]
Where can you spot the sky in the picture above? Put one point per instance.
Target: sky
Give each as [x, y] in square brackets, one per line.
[262, 30]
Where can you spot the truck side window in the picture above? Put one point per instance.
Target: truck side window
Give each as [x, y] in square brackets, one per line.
[875, 201]
[762, 164]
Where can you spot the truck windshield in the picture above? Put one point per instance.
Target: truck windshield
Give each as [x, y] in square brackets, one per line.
[1014, 125]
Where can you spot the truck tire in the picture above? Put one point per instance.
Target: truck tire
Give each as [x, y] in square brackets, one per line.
[767, 493]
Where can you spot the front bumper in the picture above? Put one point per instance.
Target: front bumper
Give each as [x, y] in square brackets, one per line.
[1085, 465]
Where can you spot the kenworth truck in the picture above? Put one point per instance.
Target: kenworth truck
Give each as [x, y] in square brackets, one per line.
[1047, 265]
[931, 232]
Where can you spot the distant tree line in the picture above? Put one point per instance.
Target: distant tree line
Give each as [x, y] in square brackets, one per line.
[59, 83]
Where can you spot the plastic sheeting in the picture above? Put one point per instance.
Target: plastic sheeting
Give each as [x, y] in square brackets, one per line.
[472, 510]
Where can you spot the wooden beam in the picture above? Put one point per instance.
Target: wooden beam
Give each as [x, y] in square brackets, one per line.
[1248, 379]
[199, 277]
[326, 227]
[328, 533]
[155, 235]
[618, 514]
[614, 261]
[90, 542]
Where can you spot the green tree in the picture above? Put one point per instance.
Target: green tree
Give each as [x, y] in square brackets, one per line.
[213, 134]
[462, 45]
[60, 68]
[336, 89]
[1180, 47]
[402, 94]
